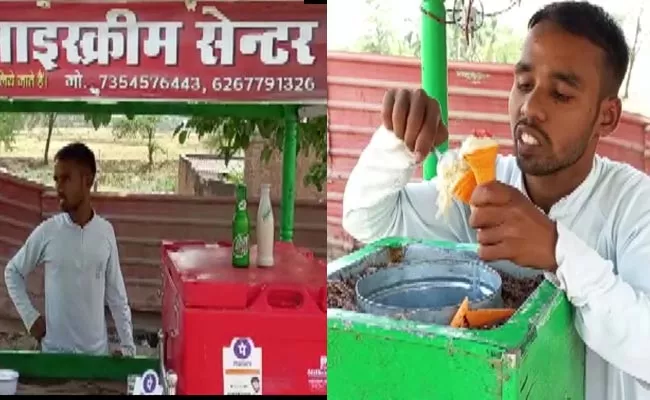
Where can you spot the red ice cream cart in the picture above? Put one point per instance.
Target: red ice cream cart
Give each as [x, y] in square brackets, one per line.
[240, 331]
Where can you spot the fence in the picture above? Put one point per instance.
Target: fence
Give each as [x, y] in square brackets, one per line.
[140, 223]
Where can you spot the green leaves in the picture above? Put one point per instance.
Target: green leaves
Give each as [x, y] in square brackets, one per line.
[313, 137]
[10, 125]
[142, 126]
[98, 120]
[139, 127]
[229, 135]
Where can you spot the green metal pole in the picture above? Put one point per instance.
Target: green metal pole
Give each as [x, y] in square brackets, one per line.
[434, 68]
[289, 173]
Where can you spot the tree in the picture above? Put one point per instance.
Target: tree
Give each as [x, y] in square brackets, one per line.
[98, 120]
[483, 45]
[51, 120]
[10, 125]
[141, 126]
[233, 134]
[39, 119]
[491, 42]
[380, 39]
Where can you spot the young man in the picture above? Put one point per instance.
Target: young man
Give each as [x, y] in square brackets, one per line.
[582, 219]
[82, 268]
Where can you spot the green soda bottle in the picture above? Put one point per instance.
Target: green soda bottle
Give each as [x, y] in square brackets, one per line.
[240, 230]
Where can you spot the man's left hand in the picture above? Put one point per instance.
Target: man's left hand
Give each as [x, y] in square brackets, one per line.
[510, 227]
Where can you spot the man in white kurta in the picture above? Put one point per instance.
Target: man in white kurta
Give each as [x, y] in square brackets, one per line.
[82, 269]
[600, 225]
[613, 202]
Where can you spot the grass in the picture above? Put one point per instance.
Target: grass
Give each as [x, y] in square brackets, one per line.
[122, 164]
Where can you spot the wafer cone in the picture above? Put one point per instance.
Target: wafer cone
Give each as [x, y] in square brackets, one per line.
[479, 319]
[483, 163]
[487, 317]
[458, 321]
[464, 188]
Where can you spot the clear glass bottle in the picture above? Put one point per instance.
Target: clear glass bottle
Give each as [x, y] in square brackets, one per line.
[265, 228]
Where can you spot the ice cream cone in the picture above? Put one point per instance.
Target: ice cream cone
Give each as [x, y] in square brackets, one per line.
[464, 188]
[487, 317]
[458, 320]
[483, 163]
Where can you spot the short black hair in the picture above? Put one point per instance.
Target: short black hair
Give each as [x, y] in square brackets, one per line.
[593, 23]
[79, 153]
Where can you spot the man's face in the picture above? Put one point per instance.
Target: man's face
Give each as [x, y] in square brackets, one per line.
[72, 183]
[555, 103]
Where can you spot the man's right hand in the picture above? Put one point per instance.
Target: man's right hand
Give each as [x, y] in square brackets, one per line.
[37, 331]
[415, 118]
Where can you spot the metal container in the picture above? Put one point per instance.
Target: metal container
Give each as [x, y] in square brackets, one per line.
[8, 382]
[536, 354]
[429, 291]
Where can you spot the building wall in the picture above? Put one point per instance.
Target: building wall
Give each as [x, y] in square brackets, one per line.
[197, 176]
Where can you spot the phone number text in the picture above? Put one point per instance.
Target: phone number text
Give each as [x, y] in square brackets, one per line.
[216, 84]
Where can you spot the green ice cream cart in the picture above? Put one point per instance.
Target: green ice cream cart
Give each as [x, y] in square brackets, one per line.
[162, 58]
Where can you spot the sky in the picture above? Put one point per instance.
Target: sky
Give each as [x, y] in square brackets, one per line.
[347, 22]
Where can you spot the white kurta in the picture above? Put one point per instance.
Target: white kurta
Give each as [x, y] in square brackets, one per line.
[82, 274]
[603, 249]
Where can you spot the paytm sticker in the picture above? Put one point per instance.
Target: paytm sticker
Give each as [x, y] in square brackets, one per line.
[148, 384]
[242, 367]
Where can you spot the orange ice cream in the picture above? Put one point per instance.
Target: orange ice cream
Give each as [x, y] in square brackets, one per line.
[480, 153]
[473, 164]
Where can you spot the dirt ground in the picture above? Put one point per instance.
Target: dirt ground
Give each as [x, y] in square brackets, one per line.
[70, 388]
[17, 341]
[21, 341]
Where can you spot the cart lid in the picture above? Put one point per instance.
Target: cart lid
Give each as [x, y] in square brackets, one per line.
[204, 276]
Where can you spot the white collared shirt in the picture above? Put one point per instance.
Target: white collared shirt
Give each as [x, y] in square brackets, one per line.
[603, 249]
[82, 274]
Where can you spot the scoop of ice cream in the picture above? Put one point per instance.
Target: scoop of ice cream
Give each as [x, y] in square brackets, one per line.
[477, 142]
[447, 161]
[450, 169]
[477, 152]
[480, 152]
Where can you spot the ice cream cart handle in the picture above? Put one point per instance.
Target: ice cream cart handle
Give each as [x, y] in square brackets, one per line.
[169, 378]
[285, 298]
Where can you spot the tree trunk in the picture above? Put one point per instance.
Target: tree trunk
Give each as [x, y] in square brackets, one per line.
[51, 119]
[150, 148]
